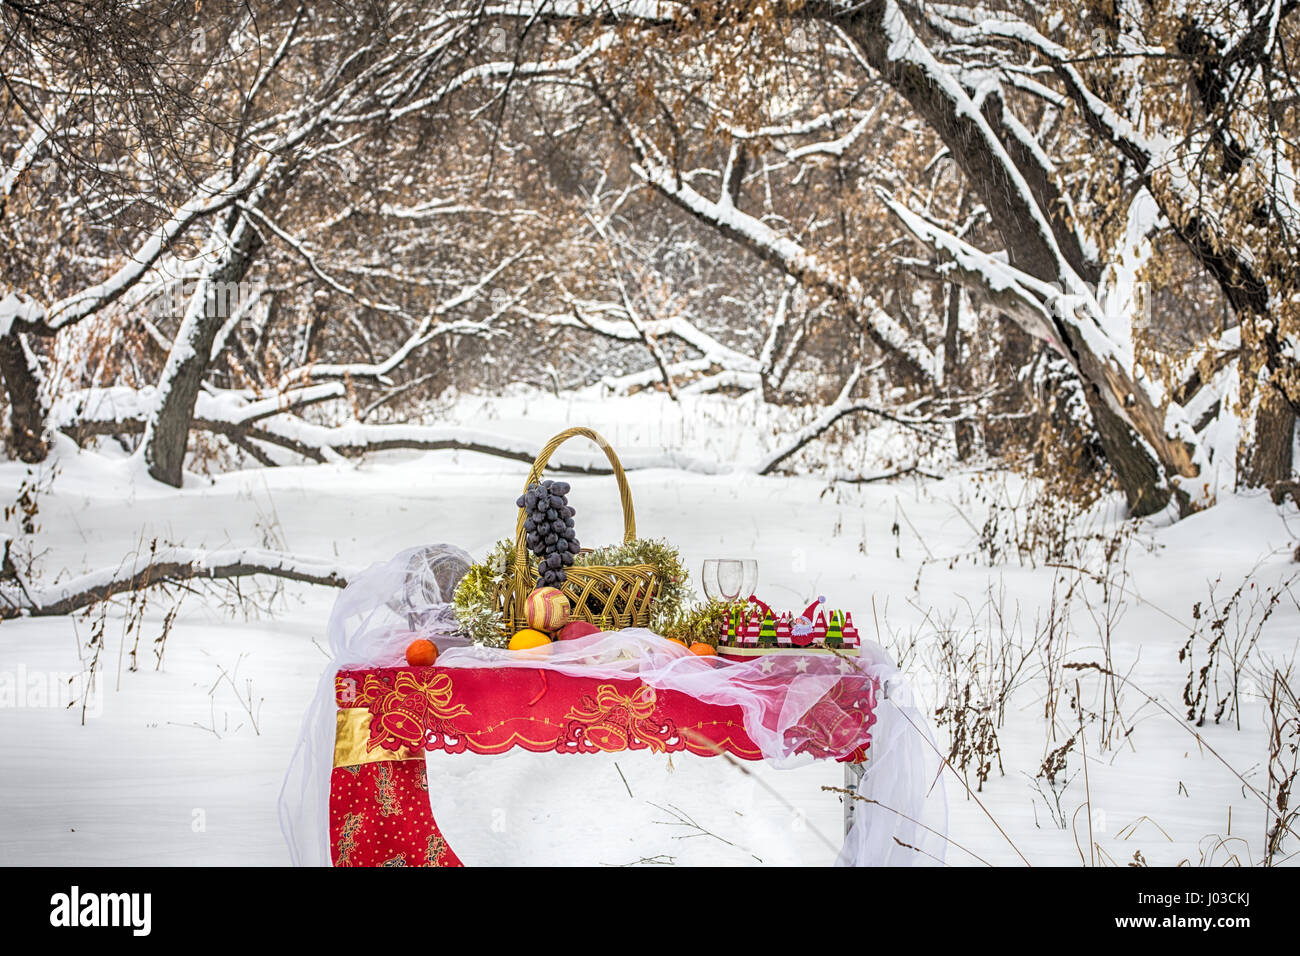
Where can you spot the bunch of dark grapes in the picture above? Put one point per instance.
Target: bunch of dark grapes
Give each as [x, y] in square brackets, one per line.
[548, 525]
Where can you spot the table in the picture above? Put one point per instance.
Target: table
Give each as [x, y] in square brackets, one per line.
[388, 717]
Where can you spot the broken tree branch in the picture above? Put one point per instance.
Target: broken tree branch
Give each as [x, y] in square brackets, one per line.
[161, 567]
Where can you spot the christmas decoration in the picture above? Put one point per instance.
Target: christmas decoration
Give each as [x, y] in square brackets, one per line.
[835, 629]
[752, 630]
[421, 652]
[546, 609]
[474, 601]
[803, 624]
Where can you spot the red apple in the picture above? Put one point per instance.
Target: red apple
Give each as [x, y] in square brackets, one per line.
[576, 629]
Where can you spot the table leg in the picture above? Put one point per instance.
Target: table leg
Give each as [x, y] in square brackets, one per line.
[852, 777]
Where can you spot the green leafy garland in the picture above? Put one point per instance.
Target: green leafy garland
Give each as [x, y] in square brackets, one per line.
[697, 624]
[475, 598]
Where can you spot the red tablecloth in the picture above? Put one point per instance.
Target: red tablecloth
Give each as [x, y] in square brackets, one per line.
[388, 717]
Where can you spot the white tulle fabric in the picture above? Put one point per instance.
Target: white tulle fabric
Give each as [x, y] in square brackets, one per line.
[371, 624]
[901, 818]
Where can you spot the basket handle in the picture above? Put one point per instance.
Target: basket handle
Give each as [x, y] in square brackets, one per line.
[543, 456]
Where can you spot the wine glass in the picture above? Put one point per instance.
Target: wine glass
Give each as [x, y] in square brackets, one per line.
[749, 576]
[709, 578]
[729, 579]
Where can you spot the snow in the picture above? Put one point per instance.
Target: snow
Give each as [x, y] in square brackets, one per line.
[124, 404]
[22, 161]
[18, 308]
[832, 413]
[588, 316]
[182, 765]
[836, 147]
[1102, 321]
[617, 809]
[800, 127]
[1172, 154]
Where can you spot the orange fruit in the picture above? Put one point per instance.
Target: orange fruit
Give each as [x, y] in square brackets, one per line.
[421, 652]
[704, 650]
[527, 639]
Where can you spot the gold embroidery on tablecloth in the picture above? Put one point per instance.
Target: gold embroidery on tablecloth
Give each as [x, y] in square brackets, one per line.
[405, 711]
[436, 848]
[386, 789]
[348, 838]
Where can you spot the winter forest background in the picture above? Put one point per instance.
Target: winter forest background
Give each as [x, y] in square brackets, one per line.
[984, 316]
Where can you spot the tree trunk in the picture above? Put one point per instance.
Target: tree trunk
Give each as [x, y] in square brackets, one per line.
[27, 411]
[168, 430]
[1265, 456]
[1138, 474]
[953, 379]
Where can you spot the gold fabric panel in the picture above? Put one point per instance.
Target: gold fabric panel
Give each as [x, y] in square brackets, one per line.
[350, 736]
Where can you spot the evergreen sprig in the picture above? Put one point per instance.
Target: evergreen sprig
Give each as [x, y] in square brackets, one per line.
[698, 623]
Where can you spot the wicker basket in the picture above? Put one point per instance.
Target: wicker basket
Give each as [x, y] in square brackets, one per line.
[609, 597]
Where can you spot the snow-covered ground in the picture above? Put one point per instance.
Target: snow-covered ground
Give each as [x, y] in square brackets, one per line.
[183, 763]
